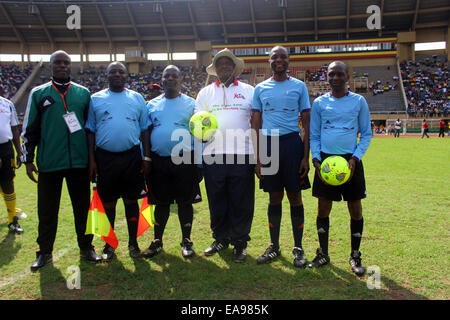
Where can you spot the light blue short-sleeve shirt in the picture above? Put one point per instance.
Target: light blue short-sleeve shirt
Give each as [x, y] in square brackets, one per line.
[335, 123]
[166, 116]
[280, 104]
[117, 119]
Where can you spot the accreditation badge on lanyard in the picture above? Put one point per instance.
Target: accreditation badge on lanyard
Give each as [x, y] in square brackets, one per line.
[72, 122]
[70, 118]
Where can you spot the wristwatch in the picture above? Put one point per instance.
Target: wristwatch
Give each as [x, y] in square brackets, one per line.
[145, 158]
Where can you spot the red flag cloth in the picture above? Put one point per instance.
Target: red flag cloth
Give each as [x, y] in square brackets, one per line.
[98, 222]
[146, 217]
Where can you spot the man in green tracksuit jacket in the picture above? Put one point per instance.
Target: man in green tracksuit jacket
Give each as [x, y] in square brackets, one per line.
[54, 123]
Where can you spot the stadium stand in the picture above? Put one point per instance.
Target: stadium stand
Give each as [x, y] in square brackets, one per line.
[380, 79]
[425, 98]
[314, 38]
[426, 86]
[12, 77]
[388, 102]
[387, 99]
[383, 94]
[316, 81]
[94, 78]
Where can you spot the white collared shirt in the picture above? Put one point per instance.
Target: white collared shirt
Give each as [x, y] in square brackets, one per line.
[232, 107]
[8, 119]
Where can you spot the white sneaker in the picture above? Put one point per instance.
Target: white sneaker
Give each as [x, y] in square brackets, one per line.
[20, 214]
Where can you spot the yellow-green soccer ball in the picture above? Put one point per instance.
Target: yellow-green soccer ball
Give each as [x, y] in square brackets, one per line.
[335, 171]
[203, 125]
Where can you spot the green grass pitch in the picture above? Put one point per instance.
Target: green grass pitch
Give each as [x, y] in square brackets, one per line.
[406, 235]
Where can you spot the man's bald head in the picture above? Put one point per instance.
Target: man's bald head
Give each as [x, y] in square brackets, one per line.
[338, 76]
[57, 53]
[61, 65]
[171, 81]
[117, 76]
[279, 62]
[171, 67]
[116, 64]
[339, 64]
[276, 48]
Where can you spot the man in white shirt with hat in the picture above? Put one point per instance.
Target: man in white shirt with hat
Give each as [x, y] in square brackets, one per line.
[227, 156]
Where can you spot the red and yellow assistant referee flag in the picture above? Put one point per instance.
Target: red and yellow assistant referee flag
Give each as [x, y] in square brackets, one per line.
[146, 217]
[98, 222]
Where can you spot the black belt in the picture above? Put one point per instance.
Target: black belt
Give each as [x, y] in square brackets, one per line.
[133, 149]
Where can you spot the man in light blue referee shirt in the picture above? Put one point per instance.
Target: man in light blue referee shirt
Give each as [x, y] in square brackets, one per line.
[169, 115]
[277, 104]
[117, 123]
[336, 119]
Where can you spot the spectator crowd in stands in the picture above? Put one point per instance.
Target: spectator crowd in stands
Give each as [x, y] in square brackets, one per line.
[12, 77]
[193, 80]
[319, 74]
[317, 81]
[379, 88]
[425, 82]
[382, 86]
[94, 78]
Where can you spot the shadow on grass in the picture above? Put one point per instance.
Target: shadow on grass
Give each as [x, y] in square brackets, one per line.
[52, 282]
[8, 248]
[169, 276]
[332, 282]
[97, 281]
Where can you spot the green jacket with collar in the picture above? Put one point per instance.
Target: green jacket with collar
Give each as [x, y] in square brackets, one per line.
[45, 128]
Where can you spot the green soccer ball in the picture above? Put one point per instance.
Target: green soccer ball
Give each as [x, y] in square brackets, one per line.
[335, 171]
[203, 125]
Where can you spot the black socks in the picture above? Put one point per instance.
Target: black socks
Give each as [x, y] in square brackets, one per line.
[297, 219]
[132, 215]
[186, 216]
[161, 217]
[356, 230]
[323, 226]
[274, 215]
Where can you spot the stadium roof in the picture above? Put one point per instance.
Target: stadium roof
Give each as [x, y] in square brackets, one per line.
[218, 21]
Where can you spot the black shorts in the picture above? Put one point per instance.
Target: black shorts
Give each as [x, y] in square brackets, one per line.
[119, 174]
[169, 182]
[287, 177]
[352, 190]
[7, 163]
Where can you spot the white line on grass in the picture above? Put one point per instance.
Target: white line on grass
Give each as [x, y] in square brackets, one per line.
[26, 272]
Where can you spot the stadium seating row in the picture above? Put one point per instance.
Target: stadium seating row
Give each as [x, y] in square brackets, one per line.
[11, 78]
[425, 82]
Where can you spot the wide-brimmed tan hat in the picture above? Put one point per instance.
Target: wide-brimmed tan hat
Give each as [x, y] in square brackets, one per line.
[211, 69]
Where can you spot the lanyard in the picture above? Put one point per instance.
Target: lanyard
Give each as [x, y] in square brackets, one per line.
[224, 96]
[63, 95]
